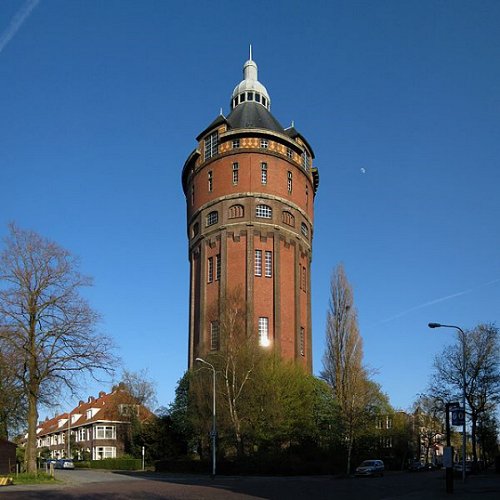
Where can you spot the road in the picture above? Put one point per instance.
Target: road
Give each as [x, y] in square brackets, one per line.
[100, 485]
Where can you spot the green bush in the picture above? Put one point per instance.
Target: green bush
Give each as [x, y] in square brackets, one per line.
[111, 464]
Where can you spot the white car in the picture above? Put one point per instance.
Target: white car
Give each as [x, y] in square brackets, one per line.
[370, 468]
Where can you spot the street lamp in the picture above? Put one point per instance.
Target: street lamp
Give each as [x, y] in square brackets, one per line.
[462, 339]
[214, 428]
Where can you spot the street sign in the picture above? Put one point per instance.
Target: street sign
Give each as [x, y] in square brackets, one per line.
[457, 416]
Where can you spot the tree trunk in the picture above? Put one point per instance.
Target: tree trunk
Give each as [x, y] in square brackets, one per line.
[30, 455]
[473, 436]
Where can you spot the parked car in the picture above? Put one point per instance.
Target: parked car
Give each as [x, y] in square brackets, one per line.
[416, 466]
[370, 468]
[48, 462]
[64, 463]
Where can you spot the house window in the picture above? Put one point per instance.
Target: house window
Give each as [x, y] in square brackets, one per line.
[214, 335]
[386, 442]
[217, 267]
[258, 263]
[263, 211]
[81, 434]
[264, 143]
[211, 145]
[210, 269]
[301, 341]
[304, 230]
[236, 143]
[289, 153]
[210, 181]
[263, 173]
[289, 183]
[212, 218]
[263, 331]
[236, 211]
[102, 452]
[105, 432]
[288, 219]
[268, 264]
[236, 169]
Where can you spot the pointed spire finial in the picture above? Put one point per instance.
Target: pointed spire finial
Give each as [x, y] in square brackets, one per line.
[250, 58]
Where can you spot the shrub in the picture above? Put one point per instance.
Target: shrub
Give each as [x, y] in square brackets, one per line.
[111, 464]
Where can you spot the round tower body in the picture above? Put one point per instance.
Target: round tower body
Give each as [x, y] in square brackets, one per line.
[250, 188]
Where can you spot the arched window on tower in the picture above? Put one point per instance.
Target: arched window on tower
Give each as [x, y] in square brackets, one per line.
[236, 211]
[304, 229]
[288, 219]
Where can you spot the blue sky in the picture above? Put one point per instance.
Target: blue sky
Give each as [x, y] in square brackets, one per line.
[101, 103]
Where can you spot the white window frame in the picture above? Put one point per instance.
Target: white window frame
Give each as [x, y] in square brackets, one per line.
[210, 181]
[212, 218]
[304, 229]
[268, 264]
[217, 267]
[264, 331]
[263, 172]
[105, 432]
[210, 269]
[214, 335]
[289, 181]
[107, 452]
[264, 143]
[236, 143]
[264, 212]
[258, 263]
[211, 145]
[236, 172]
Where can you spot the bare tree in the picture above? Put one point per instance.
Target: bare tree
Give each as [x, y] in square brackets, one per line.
[46, 323]
[428, 417]
[343, 361]
[481, 365]
[140, 387]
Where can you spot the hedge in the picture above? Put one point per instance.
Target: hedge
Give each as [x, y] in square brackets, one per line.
[111, 463]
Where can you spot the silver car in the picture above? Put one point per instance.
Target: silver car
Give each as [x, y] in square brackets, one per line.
[370, 468]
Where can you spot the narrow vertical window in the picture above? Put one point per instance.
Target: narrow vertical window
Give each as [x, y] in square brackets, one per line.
[307, 195]
[211, 145]
[263, 143]
[210, 181]
[214, 335]
[289, 181]
[306, 161]
[263, 172]
[304, 279]
[258, 263]
[210, 269]
[236, 172]
[289, 153]
[217, 267]
[263, 331]
[269, 264]
[192, 194]
[301, 341]
[236, 143]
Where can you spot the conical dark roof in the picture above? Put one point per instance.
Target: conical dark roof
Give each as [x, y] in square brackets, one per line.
[253, 115]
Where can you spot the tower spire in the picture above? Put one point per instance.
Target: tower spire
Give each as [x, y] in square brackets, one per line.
[250, 58]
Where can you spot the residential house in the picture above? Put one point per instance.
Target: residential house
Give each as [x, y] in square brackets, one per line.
[97, 429]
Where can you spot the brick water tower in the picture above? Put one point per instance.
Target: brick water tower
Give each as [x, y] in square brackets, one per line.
[250, 186]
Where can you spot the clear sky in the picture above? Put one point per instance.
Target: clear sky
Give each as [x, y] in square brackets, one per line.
[100, 104]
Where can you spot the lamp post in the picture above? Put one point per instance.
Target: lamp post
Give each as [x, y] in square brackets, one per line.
[214, 428]
[462, 339]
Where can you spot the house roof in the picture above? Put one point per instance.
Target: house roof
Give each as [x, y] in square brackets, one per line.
[104, 408]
